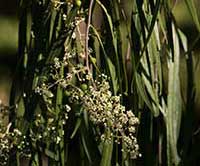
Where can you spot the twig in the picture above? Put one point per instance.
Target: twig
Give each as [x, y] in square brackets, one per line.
[87, 34]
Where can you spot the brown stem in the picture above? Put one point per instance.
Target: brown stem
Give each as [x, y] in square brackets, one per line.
[87, 34]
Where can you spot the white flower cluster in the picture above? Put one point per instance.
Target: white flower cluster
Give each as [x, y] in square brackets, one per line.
[57, 63]
[56, 4]
[11, 141]
[4, 150]
[106, 110]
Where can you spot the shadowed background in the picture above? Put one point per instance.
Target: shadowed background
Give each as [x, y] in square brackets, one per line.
[8, 46]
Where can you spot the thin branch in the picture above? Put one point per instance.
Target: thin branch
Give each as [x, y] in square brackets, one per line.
[87, 34]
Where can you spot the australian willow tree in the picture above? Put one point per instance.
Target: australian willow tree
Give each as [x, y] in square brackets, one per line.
[89, 89]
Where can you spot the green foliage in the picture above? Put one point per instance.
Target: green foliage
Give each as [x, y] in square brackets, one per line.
[92, 92]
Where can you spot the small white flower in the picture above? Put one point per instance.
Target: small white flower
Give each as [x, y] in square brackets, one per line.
[130, 114]
[58, 139]
[57, 63]
[64, 16]
[73, 35]
[67, 108]
[17, 132]
[131, 129]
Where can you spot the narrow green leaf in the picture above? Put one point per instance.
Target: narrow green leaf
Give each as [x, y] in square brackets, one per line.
[107, 151]
[193, 12]
[183, 39]
[114, 41]
[153, 23]
[59, 98]
[142, 91]
[122, 31]
[85, 146]
[53, 23]
[110, 23]
[152, 93]
[51, 154]
[109, 63]
[94, 62]
[113, 75]
[21, 108]
[86, 120]
[78, 123]
[157, 54]
[174, 110]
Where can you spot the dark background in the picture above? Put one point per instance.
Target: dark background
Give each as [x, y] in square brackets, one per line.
[8, 46]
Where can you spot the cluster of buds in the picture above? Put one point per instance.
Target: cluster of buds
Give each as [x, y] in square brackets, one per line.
[47, 129]
[43, 130]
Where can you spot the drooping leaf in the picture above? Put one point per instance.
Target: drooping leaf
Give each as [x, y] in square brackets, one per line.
[174, 110]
